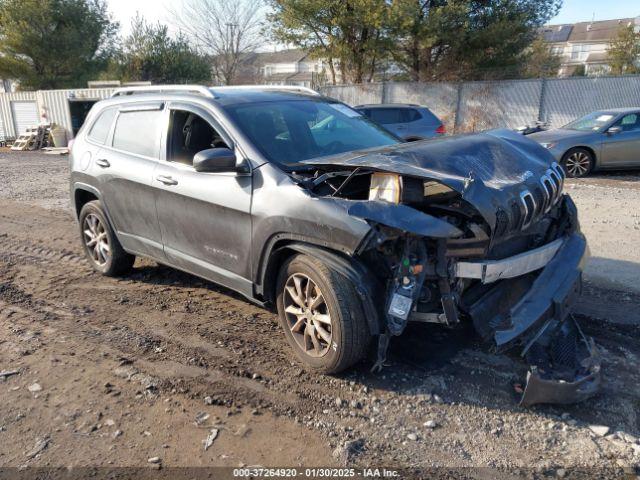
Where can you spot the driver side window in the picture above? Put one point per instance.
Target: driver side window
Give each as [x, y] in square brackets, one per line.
[189, 134]
[629, 123]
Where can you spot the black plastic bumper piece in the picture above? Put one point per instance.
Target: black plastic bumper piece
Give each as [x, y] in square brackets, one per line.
[534, 312]
[552, 294]
[565, 367]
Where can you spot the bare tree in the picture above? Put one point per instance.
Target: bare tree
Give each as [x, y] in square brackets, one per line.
[226, 30]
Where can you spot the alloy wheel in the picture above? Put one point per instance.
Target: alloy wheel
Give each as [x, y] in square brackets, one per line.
[96, 239]
[578, 164]
[307, 315]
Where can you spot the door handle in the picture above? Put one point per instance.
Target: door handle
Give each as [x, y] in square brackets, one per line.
[167, 180]
[103, 162]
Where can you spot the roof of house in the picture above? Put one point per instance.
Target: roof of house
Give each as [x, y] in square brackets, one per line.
[556, 33]
[276, 77]
[290, 76]
[283, 56]
[302, 76]
[599, 31]
[597, 57]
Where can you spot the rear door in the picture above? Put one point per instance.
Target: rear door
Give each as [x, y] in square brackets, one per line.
[422, 122]
[622, 149]
[124, 168]
[205, 218]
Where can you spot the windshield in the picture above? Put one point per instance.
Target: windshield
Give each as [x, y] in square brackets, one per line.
[592, 122]
[295, 130]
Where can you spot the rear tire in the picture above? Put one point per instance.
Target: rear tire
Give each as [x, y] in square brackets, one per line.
[101, 246]
[578, 162]
[315, 301]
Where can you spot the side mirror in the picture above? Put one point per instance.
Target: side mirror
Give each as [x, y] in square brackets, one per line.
[614, 130]
[215, 160]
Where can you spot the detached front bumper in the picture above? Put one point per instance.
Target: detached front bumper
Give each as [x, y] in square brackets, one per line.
[508, 311]
[574, 375]
[529, 306]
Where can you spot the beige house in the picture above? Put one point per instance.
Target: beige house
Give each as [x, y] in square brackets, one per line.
[585, 43]
[292, 67]
[285, 67]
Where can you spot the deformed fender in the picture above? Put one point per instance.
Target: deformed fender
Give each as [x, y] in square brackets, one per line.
[353, 270]
[404, 218]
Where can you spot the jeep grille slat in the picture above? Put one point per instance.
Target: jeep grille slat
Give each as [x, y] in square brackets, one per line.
[529, 205]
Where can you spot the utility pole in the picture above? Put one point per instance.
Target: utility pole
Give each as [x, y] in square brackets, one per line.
[230, 32]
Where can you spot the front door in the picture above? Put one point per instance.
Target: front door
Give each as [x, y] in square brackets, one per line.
[622, 149]
[205, 218]
[391, 119]
[124, 168]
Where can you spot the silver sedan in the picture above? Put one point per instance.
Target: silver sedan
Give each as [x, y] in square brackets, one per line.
[608, 139]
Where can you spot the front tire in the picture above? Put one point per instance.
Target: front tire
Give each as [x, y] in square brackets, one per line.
[578, 162]
[321, 315]
[101, 246]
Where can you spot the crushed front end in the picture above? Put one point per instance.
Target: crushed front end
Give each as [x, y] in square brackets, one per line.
[506, 255]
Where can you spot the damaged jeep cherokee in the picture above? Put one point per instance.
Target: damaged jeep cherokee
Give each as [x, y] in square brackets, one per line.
[299, 202]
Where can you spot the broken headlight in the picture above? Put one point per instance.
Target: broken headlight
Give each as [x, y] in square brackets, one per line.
[386, 187]
[396, 189]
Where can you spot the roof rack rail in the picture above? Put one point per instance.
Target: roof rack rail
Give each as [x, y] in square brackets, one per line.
[294, 88]
[200, 89]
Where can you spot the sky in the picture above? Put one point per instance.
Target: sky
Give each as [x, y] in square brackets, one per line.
[572, 10]
[152, 10]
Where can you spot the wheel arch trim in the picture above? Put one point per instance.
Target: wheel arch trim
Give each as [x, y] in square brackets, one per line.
[352, 269]
[85, 187]
[275, 243]
[80, 186]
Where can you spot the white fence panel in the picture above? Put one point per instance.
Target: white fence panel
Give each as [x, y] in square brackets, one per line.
[355, 94]
[475, 106]
[440, 98]
[568, 99]
[507, 104]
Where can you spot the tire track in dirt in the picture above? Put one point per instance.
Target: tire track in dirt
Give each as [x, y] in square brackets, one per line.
[137, 343]
[21, 249]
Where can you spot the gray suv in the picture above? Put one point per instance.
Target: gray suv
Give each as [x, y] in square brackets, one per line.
[408, 121]
[302, 204]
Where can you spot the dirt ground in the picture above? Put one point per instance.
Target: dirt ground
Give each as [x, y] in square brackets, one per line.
[115, 372]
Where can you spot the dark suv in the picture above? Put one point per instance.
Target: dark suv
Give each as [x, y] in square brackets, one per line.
[297, 201]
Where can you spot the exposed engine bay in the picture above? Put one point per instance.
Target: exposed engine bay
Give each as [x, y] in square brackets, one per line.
[443, 249]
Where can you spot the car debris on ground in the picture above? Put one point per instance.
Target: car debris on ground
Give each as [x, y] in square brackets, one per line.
[213, 434]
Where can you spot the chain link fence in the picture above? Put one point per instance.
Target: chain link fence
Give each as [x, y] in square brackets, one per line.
[476, 106]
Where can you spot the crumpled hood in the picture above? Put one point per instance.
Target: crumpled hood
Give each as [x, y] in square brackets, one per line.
[489, 169]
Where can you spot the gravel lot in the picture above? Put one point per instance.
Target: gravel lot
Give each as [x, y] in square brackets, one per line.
[113, 372]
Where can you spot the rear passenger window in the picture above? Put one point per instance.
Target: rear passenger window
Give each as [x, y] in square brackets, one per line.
[412, 115]
[138, 132]
[386, 116]
[101, 127]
